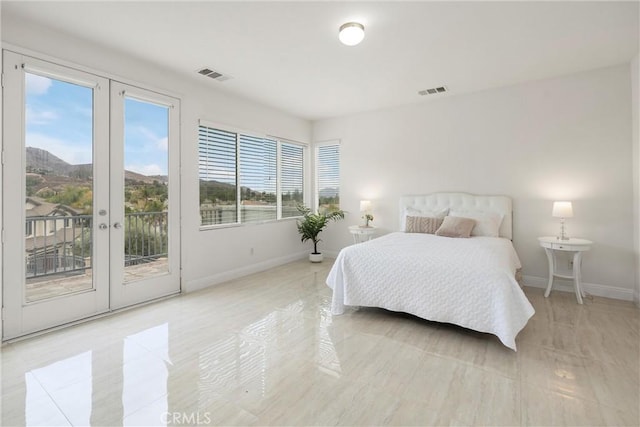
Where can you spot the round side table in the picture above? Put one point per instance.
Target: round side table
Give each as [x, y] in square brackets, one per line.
[361, 234]
[551, 246]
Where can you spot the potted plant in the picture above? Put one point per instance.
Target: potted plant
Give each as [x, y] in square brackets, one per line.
[312, 224]
[367, 218]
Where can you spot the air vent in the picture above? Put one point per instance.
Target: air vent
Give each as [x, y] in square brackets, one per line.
[433, 91]
[213, 74]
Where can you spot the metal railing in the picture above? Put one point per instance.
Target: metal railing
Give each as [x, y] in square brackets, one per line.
[145, 237]
[63, 244]
[57, 244]
[51, 263]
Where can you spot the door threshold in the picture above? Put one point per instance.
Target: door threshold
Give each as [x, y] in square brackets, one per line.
[88, 319]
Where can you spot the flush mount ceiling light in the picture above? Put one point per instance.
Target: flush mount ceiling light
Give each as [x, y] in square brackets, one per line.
[351, 33]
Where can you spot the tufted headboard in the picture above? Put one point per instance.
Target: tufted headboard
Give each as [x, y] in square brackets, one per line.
[435, 201]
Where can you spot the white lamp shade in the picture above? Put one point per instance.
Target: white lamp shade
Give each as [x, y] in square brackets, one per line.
[351, 33]
[365, 205]
[562, 210]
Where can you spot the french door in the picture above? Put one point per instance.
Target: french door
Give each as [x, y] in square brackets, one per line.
[90, 195]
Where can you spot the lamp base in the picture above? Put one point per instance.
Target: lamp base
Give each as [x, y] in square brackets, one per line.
[563, 235]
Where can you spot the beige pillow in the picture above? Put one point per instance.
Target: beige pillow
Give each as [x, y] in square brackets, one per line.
[487, 223]
[454, 226]
[422, 224]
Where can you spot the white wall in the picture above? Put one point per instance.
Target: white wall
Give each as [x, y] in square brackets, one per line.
[562, 138]
[635, 108]
[207, 256]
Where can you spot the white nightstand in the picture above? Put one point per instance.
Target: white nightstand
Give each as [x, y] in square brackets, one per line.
[361, 234]
[551, 245]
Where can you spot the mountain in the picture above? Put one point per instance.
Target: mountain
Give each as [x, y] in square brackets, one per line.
[43, 162]
[39, 160]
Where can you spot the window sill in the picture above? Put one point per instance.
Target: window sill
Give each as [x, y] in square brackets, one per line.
[247, 224]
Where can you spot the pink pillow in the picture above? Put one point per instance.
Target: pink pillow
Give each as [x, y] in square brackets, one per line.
[455, 226]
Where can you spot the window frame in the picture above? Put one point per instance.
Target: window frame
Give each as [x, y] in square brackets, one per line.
[279, 141]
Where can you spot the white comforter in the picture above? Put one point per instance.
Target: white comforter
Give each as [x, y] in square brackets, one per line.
[467, 282]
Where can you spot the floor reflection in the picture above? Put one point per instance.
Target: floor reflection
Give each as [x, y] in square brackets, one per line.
[264, 350]
[68, 382]
[169, 363]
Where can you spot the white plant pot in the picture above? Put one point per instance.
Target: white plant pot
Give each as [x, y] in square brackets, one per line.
[315, 257]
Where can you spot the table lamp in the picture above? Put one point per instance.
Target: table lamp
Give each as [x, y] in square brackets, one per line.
[562, 210]
[365, 207]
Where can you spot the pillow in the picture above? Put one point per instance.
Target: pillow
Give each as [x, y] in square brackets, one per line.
[454, 226]
[423, 224]
[410, 211]
[487, 223]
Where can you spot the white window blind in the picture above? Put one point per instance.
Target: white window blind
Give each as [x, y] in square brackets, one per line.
[291, 178]
[218, 176]
[258, 174]
[328, 177]
[247, 178]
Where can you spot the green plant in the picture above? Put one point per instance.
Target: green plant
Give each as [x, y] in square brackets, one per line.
[367, 218]
[312, 224]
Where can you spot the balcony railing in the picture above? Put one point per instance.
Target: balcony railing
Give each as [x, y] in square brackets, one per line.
[57, 245]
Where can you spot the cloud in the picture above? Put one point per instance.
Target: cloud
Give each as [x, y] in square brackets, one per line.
[146, 170]
[163, 143]
[72, 153]
[37, 85]
[152, 140]
[43, 117]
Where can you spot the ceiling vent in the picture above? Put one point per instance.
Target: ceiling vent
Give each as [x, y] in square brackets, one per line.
[213, 74]
[433, 91]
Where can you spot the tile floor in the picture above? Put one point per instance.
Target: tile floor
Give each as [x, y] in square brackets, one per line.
[264, 350]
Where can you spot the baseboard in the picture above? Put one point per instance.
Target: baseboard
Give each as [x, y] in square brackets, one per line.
[205, 282]
[331, 254]
[591, 288]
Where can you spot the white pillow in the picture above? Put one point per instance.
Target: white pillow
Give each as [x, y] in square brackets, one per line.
[487, 223]
[410, 211]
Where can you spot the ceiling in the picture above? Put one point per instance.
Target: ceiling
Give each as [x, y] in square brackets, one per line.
[287, 54]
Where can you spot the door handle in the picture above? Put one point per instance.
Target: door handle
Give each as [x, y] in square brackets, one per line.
[103, 226]
[117, 225]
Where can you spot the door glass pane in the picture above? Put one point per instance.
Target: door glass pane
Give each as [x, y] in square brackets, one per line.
[59, 187]
[146, 189]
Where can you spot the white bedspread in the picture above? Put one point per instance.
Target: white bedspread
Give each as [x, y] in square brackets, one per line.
[467, 282]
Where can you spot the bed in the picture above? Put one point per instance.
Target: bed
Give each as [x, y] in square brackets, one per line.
[469, 282]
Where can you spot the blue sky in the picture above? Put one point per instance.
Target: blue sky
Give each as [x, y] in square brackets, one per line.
[59, 120]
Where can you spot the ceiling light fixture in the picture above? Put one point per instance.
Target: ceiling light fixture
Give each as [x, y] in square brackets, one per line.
[351, 33]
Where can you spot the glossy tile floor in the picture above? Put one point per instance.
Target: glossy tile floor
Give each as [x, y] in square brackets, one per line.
[264, 350]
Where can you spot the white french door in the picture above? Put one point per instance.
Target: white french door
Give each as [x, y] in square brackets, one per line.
[90, 195]
[145, 204]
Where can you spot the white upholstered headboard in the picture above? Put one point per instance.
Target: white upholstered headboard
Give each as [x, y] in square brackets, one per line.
[435, 201]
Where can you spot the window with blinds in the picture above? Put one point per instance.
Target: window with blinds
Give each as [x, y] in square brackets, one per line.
[328, 177]
[218, 177]
[241, 180]
[291, 178]
[258, 174]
